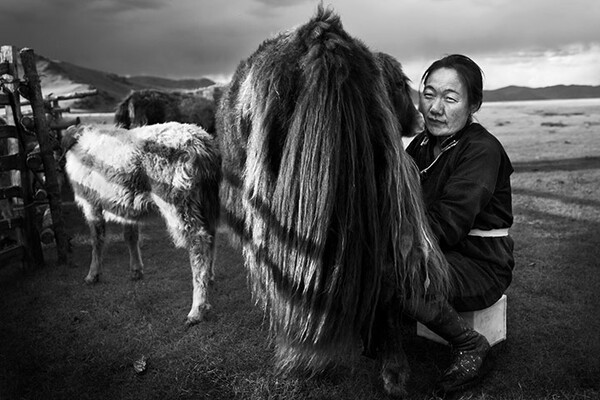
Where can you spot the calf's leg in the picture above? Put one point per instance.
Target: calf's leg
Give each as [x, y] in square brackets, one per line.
[201, 260]
[131, 234]
[97, 226]
[194, 237]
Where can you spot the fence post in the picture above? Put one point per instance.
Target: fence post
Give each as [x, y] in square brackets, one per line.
[31, 252]
[50, 170]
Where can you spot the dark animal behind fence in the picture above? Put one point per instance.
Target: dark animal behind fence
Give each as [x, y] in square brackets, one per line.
[124, 175]
[323, 197]
[152, 106]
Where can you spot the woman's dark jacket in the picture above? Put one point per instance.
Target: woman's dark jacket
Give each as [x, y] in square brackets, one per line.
[468, 187]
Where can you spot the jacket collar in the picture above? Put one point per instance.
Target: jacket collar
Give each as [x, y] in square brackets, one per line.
[446, 145]
[427, 137]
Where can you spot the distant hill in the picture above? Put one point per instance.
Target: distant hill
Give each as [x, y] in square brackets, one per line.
[62, 77]
[522, 93]
[517, 93]
[59, 77]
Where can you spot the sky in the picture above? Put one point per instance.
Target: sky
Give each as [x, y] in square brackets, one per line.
[533, 43]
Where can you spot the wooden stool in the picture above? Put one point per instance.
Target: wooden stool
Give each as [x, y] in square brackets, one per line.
[490, 322]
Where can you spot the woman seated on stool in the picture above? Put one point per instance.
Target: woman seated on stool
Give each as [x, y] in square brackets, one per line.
[465, 176]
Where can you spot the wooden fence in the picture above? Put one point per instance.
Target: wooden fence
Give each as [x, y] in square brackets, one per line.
[30, 191]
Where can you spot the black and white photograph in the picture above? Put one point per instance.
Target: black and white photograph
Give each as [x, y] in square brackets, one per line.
[299, 199]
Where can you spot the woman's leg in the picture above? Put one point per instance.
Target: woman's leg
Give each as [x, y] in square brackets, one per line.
[475, 285]
[469, 348]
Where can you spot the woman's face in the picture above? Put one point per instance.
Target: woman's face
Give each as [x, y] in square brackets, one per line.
[444, 103]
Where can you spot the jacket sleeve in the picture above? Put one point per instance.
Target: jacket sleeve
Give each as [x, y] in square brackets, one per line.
[467, 191]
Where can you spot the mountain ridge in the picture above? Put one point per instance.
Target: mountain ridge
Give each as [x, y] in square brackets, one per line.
[59, 77]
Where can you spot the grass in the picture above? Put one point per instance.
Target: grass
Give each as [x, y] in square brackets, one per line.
[61, 339]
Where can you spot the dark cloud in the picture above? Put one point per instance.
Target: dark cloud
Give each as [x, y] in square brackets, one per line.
[124, 5]
[190, 38]
[285, 3]
[53, 9]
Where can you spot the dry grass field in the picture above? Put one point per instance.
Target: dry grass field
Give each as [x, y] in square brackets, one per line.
[61, 339]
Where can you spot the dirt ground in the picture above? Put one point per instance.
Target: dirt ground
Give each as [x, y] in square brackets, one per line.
[61, 339]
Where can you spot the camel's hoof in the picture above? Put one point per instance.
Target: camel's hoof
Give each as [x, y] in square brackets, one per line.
[136, 275]
[394, 380]
[90, 280]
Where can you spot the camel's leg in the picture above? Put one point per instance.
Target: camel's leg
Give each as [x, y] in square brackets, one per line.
[395, 369]
[387, 343]
[201, 261]
[97, 226]
[131, 234]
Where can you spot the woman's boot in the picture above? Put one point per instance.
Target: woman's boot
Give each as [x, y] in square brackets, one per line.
[469, 348]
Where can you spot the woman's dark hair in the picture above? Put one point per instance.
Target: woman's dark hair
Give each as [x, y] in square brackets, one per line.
[468, 71]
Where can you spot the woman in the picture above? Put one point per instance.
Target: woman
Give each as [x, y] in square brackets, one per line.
[465, 176]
